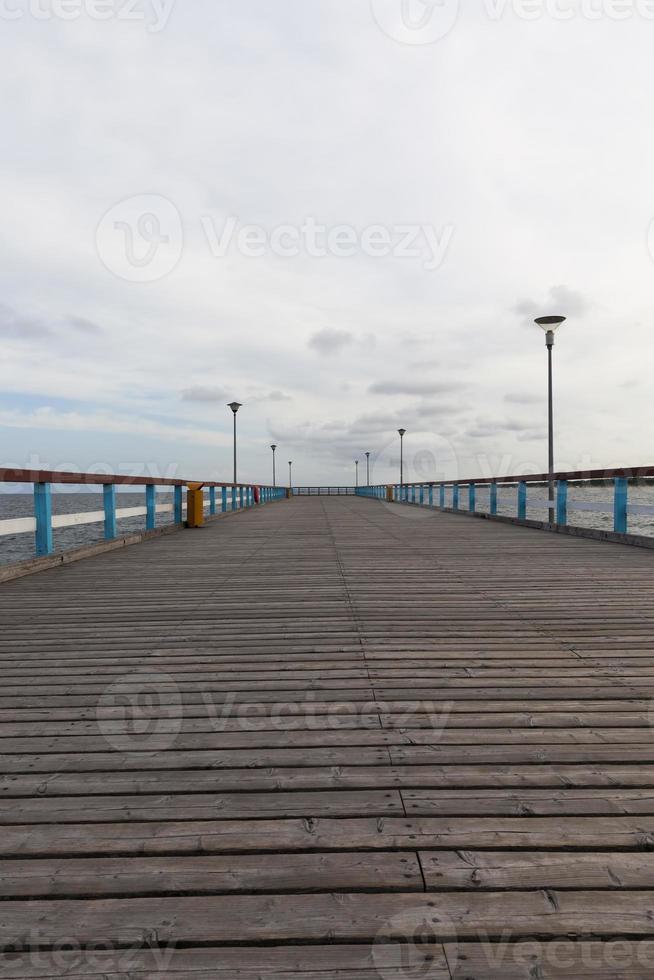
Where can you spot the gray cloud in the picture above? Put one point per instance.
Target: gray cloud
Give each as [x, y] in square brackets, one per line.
[411, 387]
[437, 409]
[83, 325]
[483, 429]
[523, 398]
[278, 396]
[202, 393]
[559, 300]
[330, 341]
[14, 325]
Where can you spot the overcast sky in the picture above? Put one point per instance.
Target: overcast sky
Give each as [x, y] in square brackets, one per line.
[421, 181]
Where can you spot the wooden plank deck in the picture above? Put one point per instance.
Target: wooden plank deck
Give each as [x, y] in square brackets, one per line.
[331, 738]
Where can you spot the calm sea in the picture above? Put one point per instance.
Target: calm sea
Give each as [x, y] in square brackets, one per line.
[18, 547]
[21, 546]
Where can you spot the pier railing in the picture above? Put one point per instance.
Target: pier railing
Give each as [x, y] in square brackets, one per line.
[529, 495]
[220, 497]
[323, 491]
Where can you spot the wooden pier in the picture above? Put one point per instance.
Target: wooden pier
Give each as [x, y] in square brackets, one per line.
[331, 737]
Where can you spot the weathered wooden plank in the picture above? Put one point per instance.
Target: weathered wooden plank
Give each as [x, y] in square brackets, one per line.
[494, 870]
[378, 777]
[315, 962]
[203, 806]
[169, 733]
[351, 834]
[168, 759]
[212, 875]
[616, 959]
[337, 917]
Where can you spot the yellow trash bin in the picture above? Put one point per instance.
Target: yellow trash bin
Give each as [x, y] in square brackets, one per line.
[195, 505]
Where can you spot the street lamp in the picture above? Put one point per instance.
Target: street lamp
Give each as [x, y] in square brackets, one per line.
[235, 407]
[356, 470]
[290, 474]
[402, 434]
[549, 325]
[367, 469]
[273, 452]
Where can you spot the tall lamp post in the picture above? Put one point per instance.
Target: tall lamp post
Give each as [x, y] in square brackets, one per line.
[402, 434]
[549, 325]
[367, 469]
[356, 471]
[235, 407]
[273, 452]
[290, 474]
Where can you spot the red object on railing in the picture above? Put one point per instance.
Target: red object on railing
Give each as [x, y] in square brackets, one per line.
[256, 495]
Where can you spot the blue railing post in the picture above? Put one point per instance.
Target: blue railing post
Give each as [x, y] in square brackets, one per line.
[522, 501]
[431, 494]
[620, 504]
[223, 500]
[455, 496]
[177, 505]
[150, 507]
[241, 498]
[234, 497]
[110, 527]
[562, 502]
[493, 499]
[212, 500]
[422, 495]
[472, 498]
[441, 495]
[43, 514]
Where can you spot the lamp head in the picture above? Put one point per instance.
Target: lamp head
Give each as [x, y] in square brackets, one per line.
[273, 448]
[401, 431]
[549, 325]
[549, 322]
[235, 406]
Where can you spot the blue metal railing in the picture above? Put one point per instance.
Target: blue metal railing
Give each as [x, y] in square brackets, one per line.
[319, 491]
[449, 495]
[42, 524]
